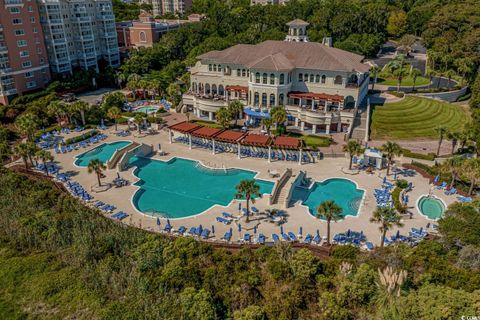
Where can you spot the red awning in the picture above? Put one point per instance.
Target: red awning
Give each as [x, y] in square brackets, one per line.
[230, 136]
[315, 96]
[287, 142]
[185, 127]
[257, 140]
[237, 88]
[206, 132]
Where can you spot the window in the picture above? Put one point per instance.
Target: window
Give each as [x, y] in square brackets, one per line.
[31, 84]
[17, 21]
[317, 78]
[305, 78]
[280, 99]
[14, 10]
[143, 37]
[264, 78]
[29, 74]
[311, 78]
[244, 73]
[209, 67]
[272, 99]
[219, 68]
[30, 9]
[239, 72]
[19, 32]
[21, 43]
[300, 77]
[24, 53]
[215, 67]
[35, 30]
[264, 99]
[338, 80]
[256, 101]
[26, 64]
[39, 50]
[257, 77]
[324, 79]
[272, 78]
[32, 19]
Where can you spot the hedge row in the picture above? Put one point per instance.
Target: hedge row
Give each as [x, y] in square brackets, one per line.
[82, 137]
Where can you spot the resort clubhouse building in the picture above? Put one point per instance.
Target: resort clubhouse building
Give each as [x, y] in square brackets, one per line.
[320, 86]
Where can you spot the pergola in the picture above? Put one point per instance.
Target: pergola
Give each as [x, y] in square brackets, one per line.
[257, 140]
[206, 132]
[185, 127]
[287, 142]
[316, 96]
[237, 88]
[230, 136]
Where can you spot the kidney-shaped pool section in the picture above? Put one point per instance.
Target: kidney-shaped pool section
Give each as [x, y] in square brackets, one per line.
[431, 207]
[181, 188]
[343, 191]
[103, 152]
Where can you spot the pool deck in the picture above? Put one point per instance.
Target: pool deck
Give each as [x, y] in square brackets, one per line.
[298, 216]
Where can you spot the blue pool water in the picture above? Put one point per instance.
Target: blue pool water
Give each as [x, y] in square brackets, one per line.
[344, 192]
[103, 152]
[431, 207]
[148, 109]
[181, 188]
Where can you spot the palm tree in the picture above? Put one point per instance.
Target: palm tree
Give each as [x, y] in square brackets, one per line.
[248, 190]
[387, 217]
[441, 132]
[97, 166]
[375, 71]
[27, 124]
[454, 137]
[44, 156]
[329, 211]
[224, 117]
[278, 115]
[21, 150]
[80, 107]
[5, 151]
[32, 149]
[138, 119]
[414, 74]
[399, 75]
[236, 108]
[173, 90]
[114, 113]
[471, 169]
[353, 148]
[143, 84]
[267, 122]
[464, 66]
[391, 149]
[56, 109]
[453, 165]
[132, 83]
[450, 74]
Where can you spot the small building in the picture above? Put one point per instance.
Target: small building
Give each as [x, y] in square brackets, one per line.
[375, 158]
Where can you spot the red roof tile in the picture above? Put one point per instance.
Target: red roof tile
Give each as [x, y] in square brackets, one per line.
[206, 132]
[230, 136]
[257, 140]
[287, 142]
[185, 127]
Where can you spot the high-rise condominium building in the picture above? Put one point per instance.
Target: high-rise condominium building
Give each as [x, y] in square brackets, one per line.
[79, 33]
[162, 7]
[23, 58]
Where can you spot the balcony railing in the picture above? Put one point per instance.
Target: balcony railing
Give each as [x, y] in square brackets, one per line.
[13, 3]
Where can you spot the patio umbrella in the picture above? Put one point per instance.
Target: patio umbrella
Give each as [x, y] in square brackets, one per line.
[168, 221]
[384, 179]
[281, 229]
[318, 233]
[437, 178]
[406, 199]
[239, 227]
[158, 221]
[300, 232]
[395, 175]
[231, 230]
[398, 234]
[255, 229]
[213, 228]
[200, 228]
[239, 206]
[348, 232]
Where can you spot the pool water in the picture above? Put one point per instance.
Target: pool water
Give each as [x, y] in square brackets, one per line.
[147, 109]
[344, 192]
[103, 152]
[431, 207]
[181, 188]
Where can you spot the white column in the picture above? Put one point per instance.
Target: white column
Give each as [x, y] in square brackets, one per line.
[300, 156]
[190, 141]
[302, 126]
[213, 146]
[296, 122]
[210, 115]
[238, 151]
[170, 135]
[314, 128]
[269, 154]
[328, 129]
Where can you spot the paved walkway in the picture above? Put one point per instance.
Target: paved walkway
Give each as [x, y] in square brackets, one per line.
[298, 216]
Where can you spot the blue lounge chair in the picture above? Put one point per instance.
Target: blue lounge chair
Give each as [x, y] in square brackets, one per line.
[182, 230]
[285, 237]
[275, 238]
[442, 186]
[261, 238]
[254, 210]
[167, 228]
[292, 236]
[227, 236]
[308, 239]
[451, 191]
[317, 239]
[205, 233]
[222, 220]
[369, 246]
[192, 231]
[246, 237]
[227, 215]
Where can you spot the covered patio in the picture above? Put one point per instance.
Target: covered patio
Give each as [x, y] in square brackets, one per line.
[316, 101]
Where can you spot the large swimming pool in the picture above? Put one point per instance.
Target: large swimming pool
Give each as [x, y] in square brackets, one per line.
[103, 152]
[343, 191]
[181, 188]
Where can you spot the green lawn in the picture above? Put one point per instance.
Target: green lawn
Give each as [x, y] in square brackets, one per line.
[207, 123]
[312, 141]
[415, 117]
[406, 81]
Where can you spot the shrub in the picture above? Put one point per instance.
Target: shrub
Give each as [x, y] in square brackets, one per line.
[345, 252]
[397, 94]
[396, 200]
[407, 153]
[82, 137]
[38, 134]
[402, 183]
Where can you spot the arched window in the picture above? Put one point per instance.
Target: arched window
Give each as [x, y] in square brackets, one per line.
[264, 78]
[221, 91]
[311, 78]
[280, 99]
[243, 73]
[219, 68]
[214, 89]
[317, 78]
[207, 88]
[257, 77]
[214, 67]
[282, 78]
[143, 36]
[200, 87]
[257, 99]
[272, 78]
[338, 80]
[272, 99]
[264, 99]
[210, 67]
[324, 78]
[305, 78]
[300, 77]
[194, 87]
[238, 72]
[353, 79]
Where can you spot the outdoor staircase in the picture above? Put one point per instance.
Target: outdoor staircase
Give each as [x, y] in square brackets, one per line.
[359, 125]
[282, 196]
[280, 192]
[112, 162]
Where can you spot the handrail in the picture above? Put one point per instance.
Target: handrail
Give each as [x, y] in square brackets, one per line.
[279, 184]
